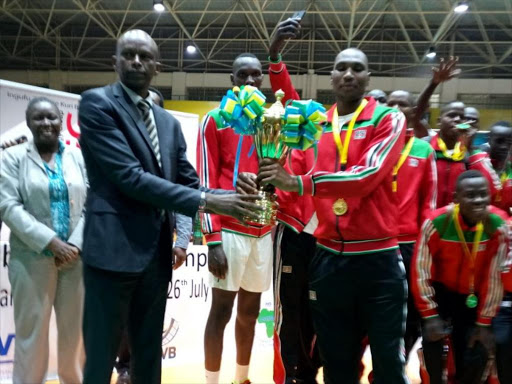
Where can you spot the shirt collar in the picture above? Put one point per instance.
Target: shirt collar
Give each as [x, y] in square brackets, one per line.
[135, 97]
[32, 146]
[434, 143]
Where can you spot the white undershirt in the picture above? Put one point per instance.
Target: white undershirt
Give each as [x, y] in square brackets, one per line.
[313, 222]
[312, 225]
[342, 120]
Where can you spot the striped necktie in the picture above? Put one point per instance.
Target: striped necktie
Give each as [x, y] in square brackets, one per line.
[150, 125]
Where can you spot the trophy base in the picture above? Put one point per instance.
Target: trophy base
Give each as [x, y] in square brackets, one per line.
[269, 204]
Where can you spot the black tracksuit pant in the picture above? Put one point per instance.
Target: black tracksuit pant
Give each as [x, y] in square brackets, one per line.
[502, 326]
[352, 296]
[293, 253]
[469, 363]
[413, 325]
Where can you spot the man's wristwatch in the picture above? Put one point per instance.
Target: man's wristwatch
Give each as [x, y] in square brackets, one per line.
[202, 202]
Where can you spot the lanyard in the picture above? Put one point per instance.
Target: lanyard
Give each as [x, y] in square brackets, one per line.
[401, 161]
[504, 176]
[503, 180]
[476, 242]
[343, 148]
[458, 152]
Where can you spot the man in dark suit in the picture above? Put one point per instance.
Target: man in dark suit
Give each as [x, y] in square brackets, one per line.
[135, 157]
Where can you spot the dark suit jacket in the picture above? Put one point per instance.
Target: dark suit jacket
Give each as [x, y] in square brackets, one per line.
[128, 189]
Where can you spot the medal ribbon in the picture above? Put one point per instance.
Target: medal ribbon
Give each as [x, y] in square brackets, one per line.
[458, 151]
[401, 162]
[343, 148]
[474, 249]
[503, 179]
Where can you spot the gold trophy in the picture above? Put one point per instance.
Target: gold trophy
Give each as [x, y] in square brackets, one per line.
[276, 131]
[268, 144]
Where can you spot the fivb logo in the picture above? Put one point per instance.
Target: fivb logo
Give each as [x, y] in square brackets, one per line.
[5, 346]
[169, 333]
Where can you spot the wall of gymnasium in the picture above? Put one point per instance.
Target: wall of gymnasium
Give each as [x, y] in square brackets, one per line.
[310, 84]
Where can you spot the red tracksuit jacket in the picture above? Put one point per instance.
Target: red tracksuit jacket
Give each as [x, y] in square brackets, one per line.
[507, 266]
[216, 154]
[294, 211]
[448, 171]
[417, 188]
[370, 223]
[507, 275]
[439, 257]
[503, 198]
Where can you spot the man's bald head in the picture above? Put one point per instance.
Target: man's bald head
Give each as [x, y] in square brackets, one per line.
[352, 53]
[136, 34]
[403, 95]
[379, 95]
[472, 116]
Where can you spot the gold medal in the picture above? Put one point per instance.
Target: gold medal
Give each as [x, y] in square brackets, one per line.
[340, 207]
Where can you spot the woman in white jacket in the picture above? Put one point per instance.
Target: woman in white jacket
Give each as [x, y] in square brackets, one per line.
[43, 187]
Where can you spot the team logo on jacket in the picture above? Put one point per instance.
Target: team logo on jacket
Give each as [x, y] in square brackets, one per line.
[414, 162]
[359, 134]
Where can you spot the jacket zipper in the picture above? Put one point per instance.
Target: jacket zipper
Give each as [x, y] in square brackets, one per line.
[336, 170]
[447, 184]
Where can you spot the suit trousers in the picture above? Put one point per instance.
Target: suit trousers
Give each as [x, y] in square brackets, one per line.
[37, 288]
[355, 295]
[115, 300]
[294, 324]
[123, 354]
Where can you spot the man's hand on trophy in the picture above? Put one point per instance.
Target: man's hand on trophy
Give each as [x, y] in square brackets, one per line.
[287, 29]
[246, 184]
[272, 172]
[241, 207]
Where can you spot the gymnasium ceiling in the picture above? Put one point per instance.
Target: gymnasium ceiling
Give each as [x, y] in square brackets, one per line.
[80, 35]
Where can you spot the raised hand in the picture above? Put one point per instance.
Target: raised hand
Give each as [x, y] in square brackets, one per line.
[287, 29]
[446, 71]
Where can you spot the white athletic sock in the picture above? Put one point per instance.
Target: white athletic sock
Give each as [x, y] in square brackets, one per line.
[241, 373]
[212, 377]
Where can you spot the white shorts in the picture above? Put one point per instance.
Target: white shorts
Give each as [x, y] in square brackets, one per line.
[249, 263]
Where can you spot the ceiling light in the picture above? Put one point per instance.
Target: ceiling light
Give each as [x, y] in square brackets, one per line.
[191, 49]
[461, 7]
[431, 53]
[158, 5]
